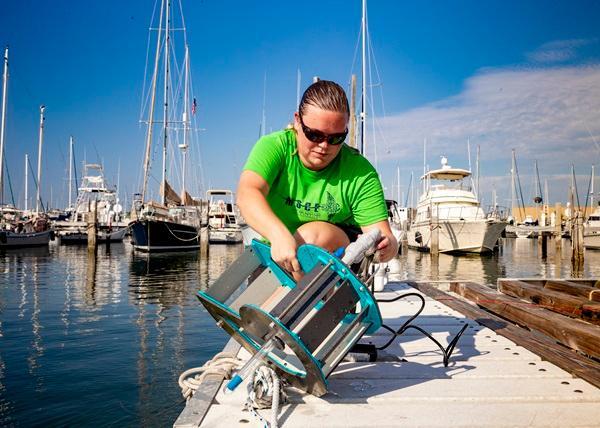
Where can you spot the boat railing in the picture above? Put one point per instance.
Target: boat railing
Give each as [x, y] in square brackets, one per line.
[473, 212]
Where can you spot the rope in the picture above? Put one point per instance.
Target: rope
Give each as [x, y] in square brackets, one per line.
[221, 364]
[264, 391]
[182, 239]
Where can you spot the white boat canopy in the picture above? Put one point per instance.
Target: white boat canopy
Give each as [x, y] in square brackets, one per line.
[446, 172]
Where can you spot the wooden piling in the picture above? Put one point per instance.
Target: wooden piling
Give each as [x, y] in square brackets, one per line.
[558, 227]
[543, 241]
[434, 247]
[204, 245]
[577, 241]
[92, 227]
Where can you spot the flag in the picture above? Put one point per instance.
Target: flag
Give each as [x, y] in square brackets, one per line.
[194, 106]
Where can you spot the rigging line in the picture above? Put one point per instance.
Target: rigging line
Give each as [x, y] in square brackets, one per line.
[36, 183]
[183, 23]
[12, 195]
[587, 195]
[575, 186]
[142, 103]
[356, 50]
[539, 183]
[593, 138]
[522, 205]
[380, 86]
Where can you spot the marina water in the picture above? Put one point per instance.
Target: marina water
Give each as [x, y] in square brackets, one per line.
[101, 341]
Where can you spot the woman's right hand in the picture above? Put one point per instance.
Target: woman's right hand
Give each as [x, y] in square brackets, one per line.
[283, 252]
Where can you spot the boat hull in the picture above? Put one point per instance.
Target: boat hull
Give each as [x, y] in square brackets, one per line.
[80, 236]
[225, 235]
[149, 235]
[591, 239]
[477, 236]
[20, 240]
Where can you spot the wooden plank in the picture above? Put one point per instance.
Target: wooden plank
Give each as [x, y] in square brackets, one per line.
[577, 334]
[547, 349]
[571, 288]
[197, 407]
[556, 301]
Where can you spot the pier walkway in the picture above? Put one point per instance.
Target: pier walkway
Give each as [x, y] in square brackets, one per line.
[490, 381]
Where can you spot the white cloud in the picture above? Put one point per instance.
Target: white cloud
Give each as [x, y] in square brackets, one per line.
[557, 51]
[549, 114]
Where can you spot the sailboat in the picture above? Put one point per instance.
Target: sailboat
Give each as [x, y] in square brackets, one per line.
[173, 223]
[18, 228]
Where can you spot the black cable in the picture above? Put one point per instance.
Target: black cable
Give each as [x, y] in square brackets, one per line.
[447, 352]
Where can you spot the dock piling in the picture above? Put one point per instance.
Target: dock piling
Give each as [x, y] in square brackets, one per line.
[92, 227]
[435, 237]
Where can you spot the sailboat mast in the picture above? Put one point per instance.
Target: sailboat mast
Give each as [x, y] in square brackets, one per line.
[363, 108]
[3, 124]
[70, 171]
[398, 190]
[298, 79]
[39, 164]
[152, 104]
[352, 135]
[263, 123]
[477, 172]
[26, 183]
[186, 121]
[512, 184]
[166, 104]
[592, 189]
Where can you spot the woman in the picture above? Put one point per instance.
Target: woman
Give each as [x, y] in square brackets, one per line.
[303, 185]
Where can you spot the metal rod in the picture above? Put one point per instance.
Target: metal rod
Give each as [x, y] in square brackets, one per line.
[39, 164]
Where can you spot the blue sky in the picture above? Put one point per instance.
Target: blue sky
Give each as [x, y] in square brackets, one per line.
[504, 74]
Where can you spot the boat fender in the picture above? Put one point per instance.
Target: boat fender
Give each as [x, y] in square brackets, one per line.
[418, 238]
[3, 237]
[52, 235]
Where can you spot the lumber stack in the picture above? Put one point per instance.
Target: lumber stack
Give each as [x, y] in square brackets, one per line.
[571, 318]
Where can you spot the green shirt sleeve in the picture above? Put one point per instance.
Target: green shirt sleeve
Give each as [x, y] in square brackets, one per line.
[267, 157]
[369, 205]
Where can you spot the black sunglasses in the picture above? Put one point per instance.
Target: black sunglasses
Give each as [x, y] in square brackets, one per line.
[316, 136]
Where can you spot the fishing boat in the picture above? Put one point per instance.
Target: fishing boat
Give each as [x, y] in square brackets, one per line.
[173, 223]
[224, 219]
[93, 191]
[456, 212]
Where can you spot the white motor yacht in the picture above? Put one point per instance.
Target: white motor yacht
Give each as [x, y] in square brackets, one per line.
[224, 219]
[591, 231]
[110, 225]
[455, 210]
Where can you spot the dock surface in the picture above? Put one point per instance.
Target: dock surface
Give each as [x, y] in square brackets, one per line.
[490, 381]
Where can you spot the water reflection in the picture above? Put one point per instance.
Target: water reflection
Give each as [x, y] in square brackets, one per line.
[122, 326]
[515, 258]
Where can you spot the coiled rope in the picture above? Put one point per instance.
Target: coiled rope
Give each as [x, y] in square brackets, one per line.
[264, 391]
[221, 364]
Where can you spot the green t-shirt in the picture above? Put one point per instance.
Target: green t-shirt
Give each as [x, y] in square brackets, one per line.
[346, 192]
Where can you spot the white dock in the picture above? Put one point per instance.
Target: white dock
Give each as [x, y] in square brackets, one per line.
[490, 381]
